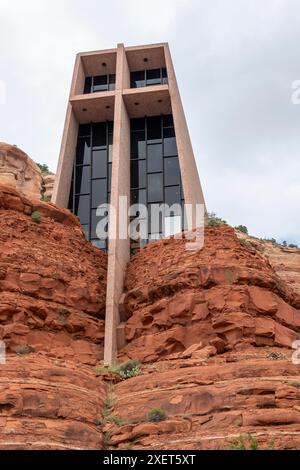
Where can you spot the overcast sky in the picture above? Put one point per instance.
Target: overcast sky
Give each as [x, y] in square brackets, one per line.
[235, 61]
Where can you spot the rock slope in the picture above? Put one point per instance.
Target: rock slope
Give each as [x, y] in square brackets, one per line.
[214, 331]
[52, 306]
[284, 260]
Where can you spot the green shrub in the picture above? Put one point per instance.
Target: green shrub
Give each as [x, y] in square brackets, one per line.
[45, 198]
[156, 415]
[63, 314]
[248, 442]
[106, 439]
[253, 443]
[36, 217]
[21, 350]
[114, 420]
[213, 220]
[242, 228]
[129, 369]
[44, 169]
[238, 444]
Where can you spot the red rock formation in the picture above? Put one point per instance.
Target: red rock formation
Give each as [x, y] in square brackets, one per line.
[284, 260]
[212, 403]
[20, 172]
[214, 330]
[52, 306]
[226, 296]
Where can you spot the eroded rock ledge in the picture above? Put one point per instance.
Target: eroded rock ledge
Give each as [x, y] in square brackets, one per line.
[52, 307]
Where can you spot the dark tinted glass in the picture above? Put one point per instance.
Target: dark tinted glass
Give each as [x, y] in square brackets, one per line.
[138, 145]
[138, 197]
[164, 76]
[138, 124]
[137, 79]
[70, 203]
[134, 174]
[138, 173]
[112, 82]
[101, 244]
[99, 134]
[100, 83]
[110, 153]
[168, 120]
[155, 187]
[95, 220]
[88, 85]
[155, 158]
[153, 77]
[154, 128]
[86, 229]
[109, 176]
[84, 130]
[172, 195]
[83, 151]
[142, 174]
[170, 147]
[172, 171]
[99, 164]
[82, 208]
[99, 192]
[155, 223]
[83, 177]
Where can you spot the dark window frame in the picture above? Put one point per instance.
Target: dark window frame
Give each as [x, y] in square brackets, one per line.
[89, 86]
[166, 122]
[73, 193]
[162, 80]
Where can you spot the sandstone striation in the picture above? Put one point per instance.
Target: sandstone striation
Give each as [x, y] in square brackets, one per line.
[214, 331]
[52, 307]
[19, 171]
[212, 403]
[227, 296]
[48, 185]
[284, 260]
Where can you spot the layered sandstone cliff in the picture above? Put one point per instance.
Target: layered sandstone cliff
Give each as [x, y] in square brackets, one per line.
[52, 304]
[284, 260]
[214, 331]
[19, 171]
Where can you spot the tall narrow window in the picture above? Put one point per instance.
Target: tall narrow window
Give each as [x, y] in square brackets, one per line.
[155, 174]
[91, 179]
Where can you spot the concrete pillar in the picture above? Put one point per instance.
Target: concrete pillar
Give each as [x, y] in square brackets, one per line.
[118, 250]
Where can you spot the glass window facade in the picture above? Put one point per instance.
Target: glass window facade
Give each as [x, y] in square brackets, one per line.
[99, 83]
[91, 180]
[155, 173]
[151, 77]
